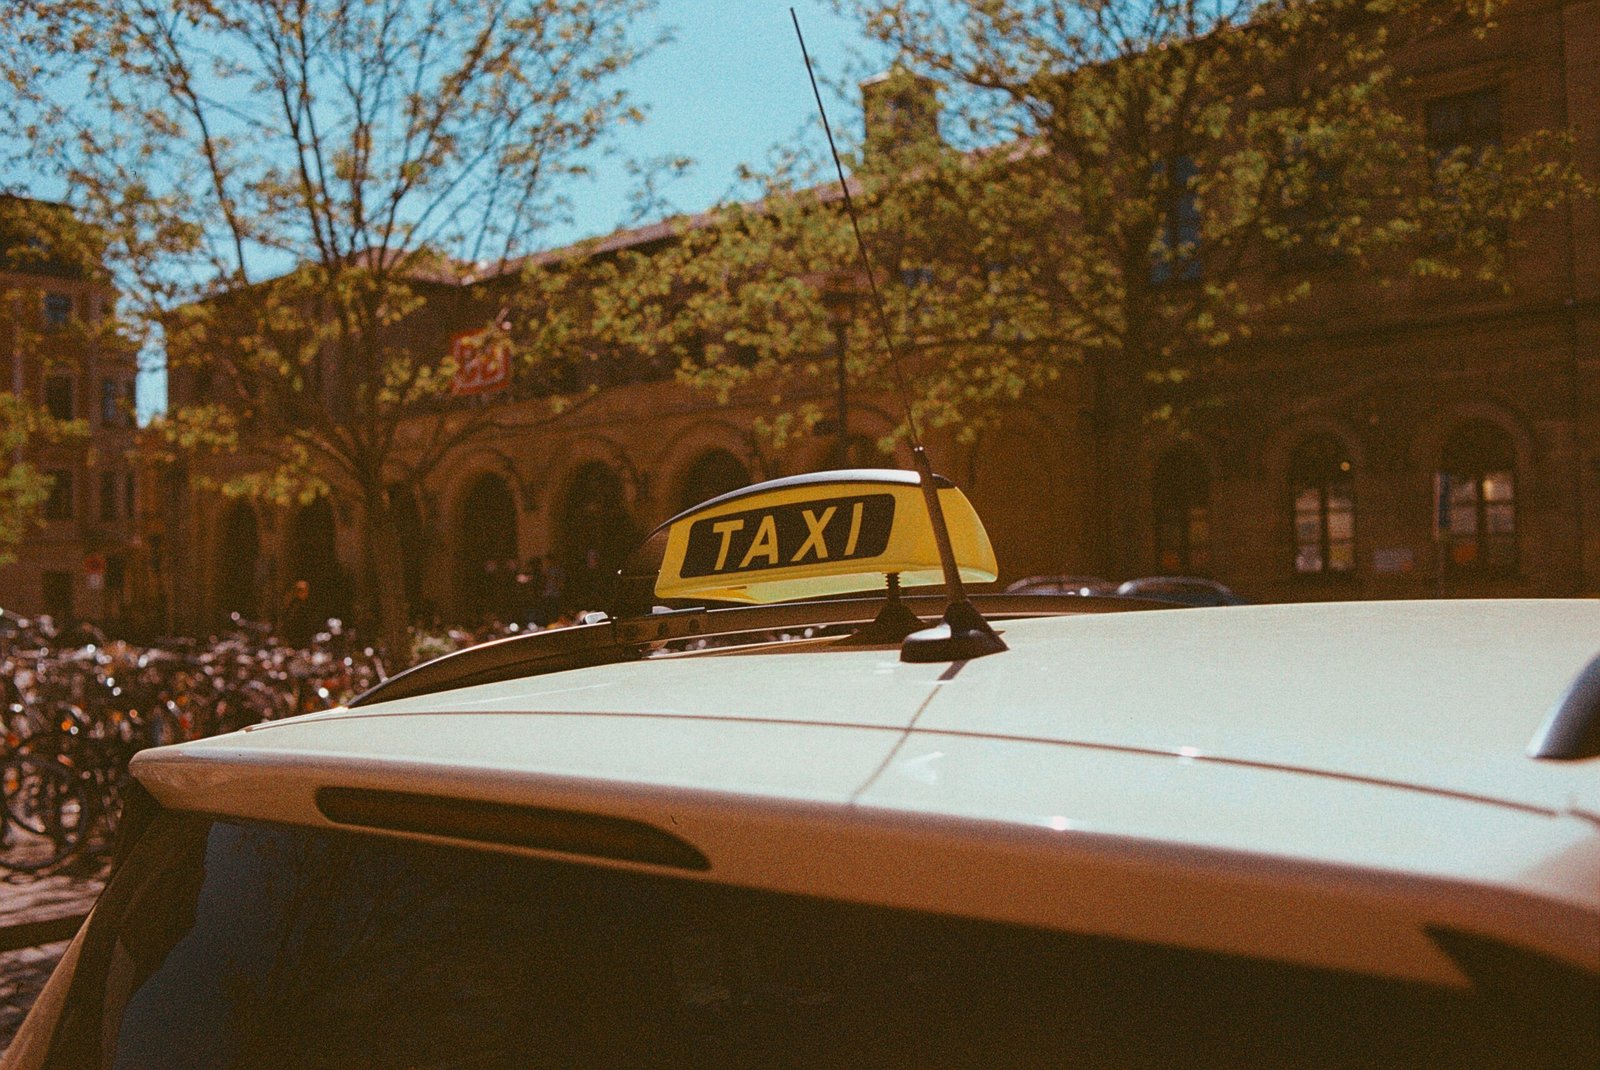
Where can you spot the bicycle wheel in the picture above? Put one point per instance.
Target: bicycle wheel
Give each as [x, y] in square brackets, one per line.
[48, 813]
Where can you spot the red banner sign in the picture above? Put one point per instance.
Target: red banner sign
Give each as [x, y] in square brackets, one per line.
[483, 361]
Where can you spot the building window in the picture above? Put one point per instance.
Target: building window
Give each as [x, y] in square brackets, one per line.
[58, 595]
[58, 400]
[116, 403]
[1460, 129]
[58, 506]
[130, 495]
[1476, 506]
[1308, 210]
[116, 578]
[1321, 486]
[1176, 257]
[1182, 495]
[1463, 121]
[110, 498]
[57, 310]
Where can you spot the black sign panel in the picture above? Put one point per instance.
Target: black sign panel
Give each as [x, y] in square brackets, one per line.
[788, 536]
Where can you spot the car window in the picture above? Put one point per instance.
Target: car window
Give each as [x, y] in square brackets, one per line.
[233, 944]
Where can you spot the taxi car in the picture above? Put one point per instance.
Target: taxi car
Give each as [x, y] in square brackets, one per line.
[1330, 835]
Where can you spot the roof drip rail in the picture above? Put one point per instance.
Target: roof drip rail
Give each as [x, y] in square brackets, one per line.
[1571, 731]
[629, 638]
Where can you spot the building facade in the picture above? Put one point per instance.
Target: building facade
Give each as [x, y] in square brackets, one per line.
[1421, 439]
[85, 559]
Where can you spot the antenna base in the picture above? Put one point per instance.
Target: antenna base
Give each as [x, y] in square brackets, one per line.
[962, 635]
[893, 623]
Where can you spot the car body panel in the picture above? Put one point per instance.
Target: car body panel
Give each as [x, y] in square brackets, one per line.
[1316, 784]
[1441, 696]
[866, 687]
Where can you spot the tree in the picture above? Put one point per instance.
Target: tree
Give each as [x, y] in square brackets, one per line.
[23, 488]
[1140, 189]
[38, 241]
[287, 183]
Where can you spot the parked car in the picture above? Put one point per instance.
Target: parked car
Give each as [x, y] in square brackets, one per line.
[1085, 586]
[1348, 835]
[1188, 590]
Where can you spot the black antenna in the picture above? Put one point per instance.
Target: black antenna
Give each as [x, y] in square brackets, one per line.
[963, 633]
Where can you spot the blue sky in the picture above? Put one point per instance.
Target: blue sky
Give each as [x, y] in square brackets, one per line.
[729, 88]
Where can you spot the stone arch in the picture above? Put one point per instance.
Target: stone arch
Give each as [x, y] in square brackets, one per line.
[594, 534]
[671, 470]
[1181, 491]
[1016, 467]
[485, 541]
[409, 526]
[1280, 444]
[1350, 499]
[464, 474]
[714, 472]
[311, 554]
[1479, 473]
[577, 454]
[238, 563]
[868, 425]
[1441, 424]
[1319, 492]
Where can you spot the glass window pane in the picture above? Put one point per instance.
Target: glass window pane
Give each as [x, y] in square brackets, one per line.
[1308, 558]
[1500, 518]
[1464, 520]
[1308, 500]
[1497, 487]
[1463, 490]
[1342, 557]
[230, 944]
[1341, 524]
[1308, 528]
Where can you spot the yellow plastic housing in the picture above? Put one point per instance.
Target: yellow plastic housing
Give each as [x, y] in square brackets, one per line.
[806, 538]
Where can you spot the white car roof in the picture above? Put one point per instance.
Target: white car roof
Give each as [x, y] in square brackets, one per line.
[1349, 774]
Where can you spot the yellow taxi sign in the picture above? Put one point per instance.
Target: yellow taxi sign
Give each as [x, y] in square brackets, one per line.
[818, 534]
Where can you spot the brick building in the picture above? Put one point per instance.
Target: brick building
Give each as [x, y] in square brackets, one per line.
[85, 560]
[1423, 439]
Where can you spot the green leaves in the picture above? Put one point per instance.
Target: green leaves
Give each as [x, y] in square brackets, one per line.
[293, 194]
[1134, 186]
[24, 488]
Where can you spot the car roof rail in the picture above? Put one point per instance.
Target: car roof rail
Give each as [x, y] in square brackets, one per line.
[1571, 731]
[606, 641]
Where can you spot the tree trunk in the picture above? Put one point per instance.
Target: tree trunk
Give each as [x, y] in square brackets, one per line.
[1113, 524]
[386, 573]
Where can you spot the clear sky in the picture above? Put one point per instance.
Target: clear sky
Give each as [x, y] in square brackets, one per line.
[730, 87]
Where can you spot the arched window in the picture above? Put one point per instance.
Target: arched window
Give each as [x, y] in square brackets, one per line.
[313, 556]
[596, 534]
[413, 540]
[486, 549]
[714, 472]
[1477, 498]
[237, 561]
[1182, 496]
[1321, 487]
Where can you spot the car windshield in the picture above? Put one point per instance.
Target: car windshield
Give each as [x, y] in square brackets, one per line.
[232, 944]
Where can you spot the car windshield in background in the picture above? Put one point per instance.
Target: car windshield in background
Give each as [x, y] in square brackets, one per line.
[1188, 590]
[224, 944]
